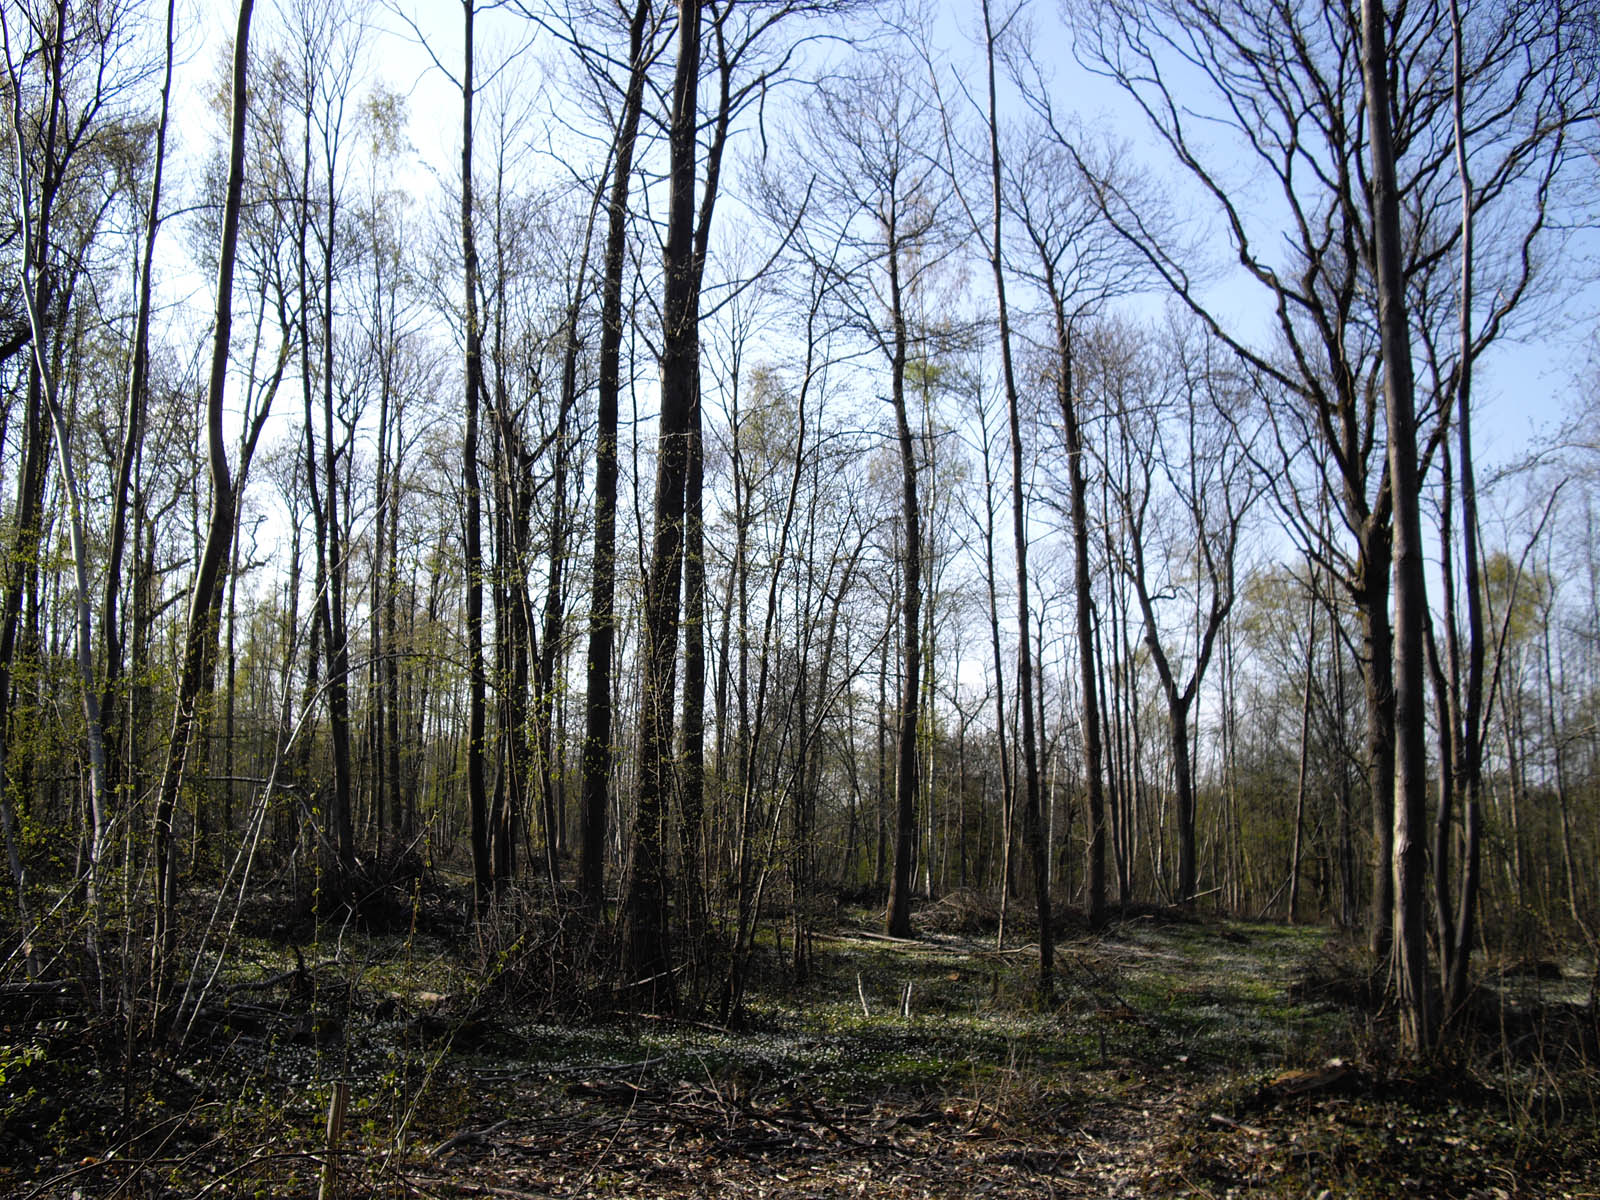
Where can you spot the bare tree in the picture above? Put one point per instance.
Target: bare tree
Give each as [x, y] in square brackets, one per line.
[51, 50]
[596, 763]
[1182, 503]
[1410, 590]
[741, 38]
[1033, 820]
[647, 951]
[1286, 84]
[477, 798]
[200, 629]
[877, 200]
[1077, 265]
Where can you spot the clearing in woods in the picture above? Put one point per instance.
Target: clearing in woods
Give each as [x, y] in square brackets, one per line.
[1177, 1057]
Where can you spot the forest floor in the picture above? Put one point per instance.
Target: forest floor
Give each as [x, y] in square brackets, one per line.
[1177, 1057]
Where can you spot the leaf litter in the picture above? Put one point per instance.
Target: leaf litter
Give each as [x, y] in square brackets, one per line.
[1176, 1058]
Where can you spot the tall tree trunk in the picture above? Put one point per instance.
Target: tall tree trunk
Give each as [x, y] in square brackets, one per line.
[338, 569]
[647, 949]
[200, 631]
[880, 864]
[1410, 596]
[1305, 749]
[133, 419]
[399, 810]
[1083, 594]
[693, 773]
[692, 788]
[1032, 819]
[1457, 950]
[33, 252]
[1007, 791]
[596, 761]
[379, 611]
[477, 797]
[898, 917]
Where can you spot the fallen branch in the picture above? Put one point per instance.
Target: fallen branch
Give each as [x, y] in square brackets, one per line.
[468, 1137]
[1230, 1123]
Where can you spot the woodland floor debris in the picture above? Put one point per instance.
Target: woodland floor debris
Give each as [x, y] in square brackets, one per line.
[1178, 1057]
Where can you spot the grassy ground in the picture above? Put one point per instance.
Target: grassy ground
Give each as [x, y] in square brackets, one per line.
[1175, 1057]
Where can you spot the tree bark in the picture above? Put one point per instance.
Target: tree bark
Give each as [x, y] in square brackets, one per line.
[898, 915]
[1305, 750]
[1417, 1023]
[477, 796]
[200, 631]
[596, 759]
[647, 950]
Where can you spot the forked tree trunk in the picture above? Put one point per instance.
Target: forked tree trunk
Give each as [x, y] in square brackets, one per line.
[200, 631]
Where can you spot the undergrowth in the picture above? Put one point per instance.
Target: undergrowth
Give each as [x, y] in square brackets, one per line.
[1171, 1056]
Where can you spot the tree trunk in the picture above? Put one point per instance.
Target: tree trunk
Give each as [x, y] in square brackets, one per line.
[1032, 819]
[647, 951]
[98, 802]
[1305, 751]
[133, 419]
[477, 794]
[691, 814]
[596, 760]
[199, 630]
[899, 908]
[1410, 595]
[1456, 947]
[338, 567]
[1088, 678]
[1007, 791]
